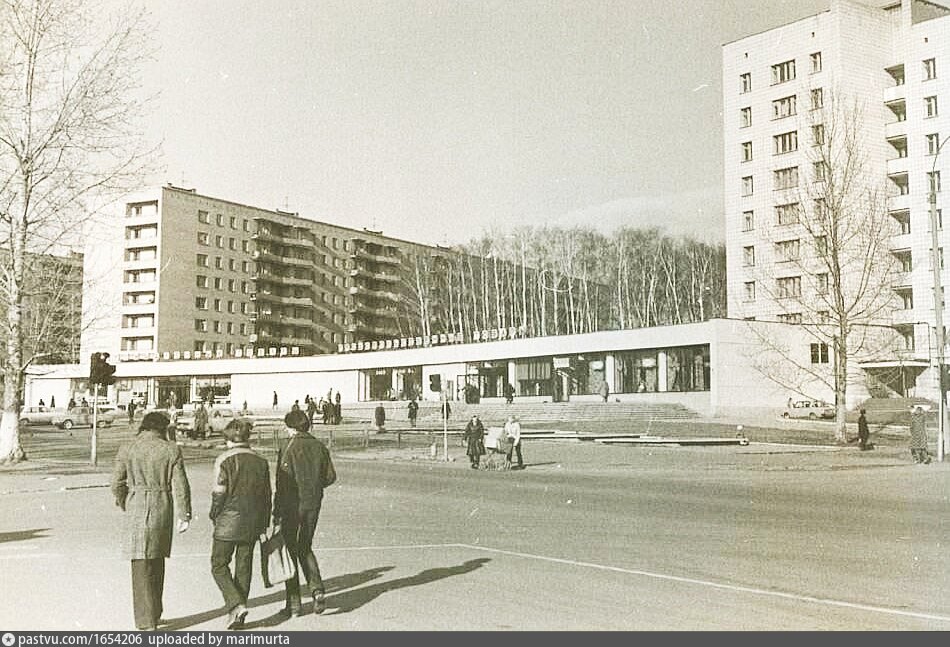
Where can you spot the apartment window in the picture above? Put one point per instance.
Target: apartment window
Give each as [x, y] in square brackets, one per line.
[821, 283]
[816, 62]
[784, 107]
[790, 318]
[745, 117]
[906, 261]
[750, 290]
[218, 263]
[243, 287]
[817, 99]
[203, 217]
[786, 214]
[232, 264]
[245, 308]
[232, 222]
[217, 283]
[818, 135]
[201, 281]
[201, 325]
[242, 329]
[783, 72]
[785, 178]
[933, 143]
[247, 225]
[933, 181]
[232, 244]
[199, 346]
[907, 299]
[930, 106]
[746, 151]
[748, 220]
[335, 243]
[785, 143]
[230, 328]
[787, 250]
[745, 82]
[930, 264]
[203, 260]
[204, 238]
[820, 169]
[217, 327]
[822, 316]
[747, 185]
[217, 305]
[245, 246]
[821, 246]
[219, 242]
[748, 257]
[231, 308]
[930, 69]
[230, 285]
[245, 266]
[908, 336]
[819, 353]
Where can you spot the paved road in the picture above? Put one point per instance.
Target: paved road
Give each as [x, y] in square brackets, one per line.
[589, 537]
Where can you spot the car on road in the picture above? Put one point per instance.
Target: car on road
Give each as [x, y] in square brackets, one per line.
[218, 419]
[82, 417]
[813, 409]
[38, 415]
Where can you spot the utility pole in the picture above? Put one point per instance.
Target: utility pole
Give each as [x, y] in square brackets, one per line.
[938, 309]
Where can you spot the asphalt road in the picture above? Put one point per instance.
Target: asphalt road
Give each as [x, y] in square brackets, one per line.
[588, 537]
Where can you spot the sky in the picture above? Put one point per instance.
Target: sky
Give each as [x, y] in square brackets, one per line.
[440, 121]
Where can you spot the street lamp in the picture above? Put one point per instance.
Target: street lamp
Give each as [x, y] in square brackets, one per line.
[938, 305]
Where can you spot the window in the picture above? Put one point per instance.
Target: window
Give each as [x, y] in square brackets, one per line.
[201, 325]
[820, 169]
[819, 353]
[787, 250]
[933, 143]
[750, 290]
[930, 263]
[247, 225]
[785, 143]
[203, 238]
[203, 260]
[930, 106]
[232, 244]
[232, 222]
[746, 151]
[745, 83]
[818, 135]
[230, 328]
[232, 264]
[745, 117]
[930, 69]
[933, 181]
[821, 246]
[816, 62]
[821, 283]
[784, 107]
[217, 305]
[908, 336]
[747, 185]
[790, 318]
[785, 178]
[201, 281]
[242, 329]
[907, 299]
[748, 220]
[786, 214]
[335, 243]
[218, 263]
[217, 283]
[245, 246]
[244, 266]
[217, 326]
[219, 218]
[783, 72]
[748, 256]
[817, 99]
[203, 217]
[230, 285]
[245, 308]
[243, 287]
[201, 303]
[231, 307]
[219, 241]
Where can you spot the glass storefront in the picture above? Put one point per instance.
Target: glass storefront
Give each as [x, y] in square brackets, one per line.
[687, 368]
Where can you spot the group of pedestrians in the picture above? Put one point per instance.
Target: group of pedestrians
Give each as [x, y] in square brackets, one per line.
[473, 438]
[150, 485]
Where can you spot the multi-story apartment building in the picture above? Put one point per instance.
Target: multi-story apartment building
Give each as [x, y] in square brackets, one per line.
[200, 277]
[889, 62]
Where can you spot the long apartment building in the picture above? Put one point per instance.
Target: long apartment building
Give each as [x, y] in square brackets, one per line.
[197, 277]
[888, 62]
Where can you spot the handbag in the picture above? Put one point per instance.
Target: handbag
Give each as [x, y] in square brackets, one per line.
[276, 564]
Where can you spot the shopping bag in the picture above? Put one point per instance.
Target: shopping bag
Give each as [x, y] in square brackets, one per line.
[276, 565]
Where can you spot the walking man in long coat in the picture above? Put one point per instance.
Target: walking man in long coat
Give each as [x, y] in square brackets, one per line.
[304, 469]
[240, 511]
[147, 473]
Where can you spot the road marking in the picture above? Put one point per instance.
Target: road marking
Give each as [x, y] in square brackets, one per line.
[718, 585]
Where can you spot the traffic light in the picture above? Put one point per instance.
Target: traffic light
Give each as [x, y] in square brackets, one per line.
[435, 383]
[100, 371]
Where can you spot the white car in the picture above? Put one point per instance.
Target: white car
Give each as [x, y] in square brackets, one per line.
[813, 409]
[82, 417]
[218, 419]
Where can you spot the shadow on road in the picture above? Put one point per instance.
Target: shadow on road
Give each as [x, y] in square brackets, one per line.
[332, 584]
[351, 600]
[22, 535]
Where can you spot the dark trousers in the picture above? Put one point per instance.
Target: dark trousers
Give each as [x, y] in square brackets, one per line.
[298, 533]
[517, 449]
[148, 583]
[236, 587]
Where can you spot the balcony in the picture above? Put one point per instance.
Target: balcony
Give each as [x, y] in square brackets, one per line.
[384, 313]
[895, 93]
[903, 317]
[901, 280]
[898, 203]
[376, 294]
[899, 242]
[282, 238]
[895, 130]
[377, 258]
[375, 276]
[360, 328]
[268, 297]
[897, 166]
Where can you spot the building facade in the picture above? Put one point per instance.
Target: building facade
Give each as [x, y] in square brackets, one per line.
[889, 64]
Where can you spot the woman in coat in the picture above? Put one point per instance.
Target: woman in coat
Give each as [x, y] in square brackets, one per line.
[147, 472]
[474, 441]
[918, 436]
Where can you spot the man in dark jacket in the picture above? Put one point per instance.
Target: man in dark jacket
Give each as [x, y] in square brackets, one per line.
[240, 510]
[304, 469]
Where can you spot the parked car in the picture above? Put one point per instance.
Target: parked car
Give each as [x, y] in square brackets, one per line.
[218, 419]
[809, 409]
[82, 417]
[38, 415]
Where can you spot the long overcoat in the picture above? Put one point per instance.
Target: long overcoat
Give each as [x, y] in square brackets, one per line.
[147, 472]
[918, 430]
[474, 439]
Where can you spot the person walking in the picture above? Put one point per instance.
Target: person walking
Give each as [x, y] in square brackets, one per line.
[863, 432]
[325, 408]
[148, 473]
[304, 470]
[446, 410]
[604, 391]
[509, 393]
[337, 410]
[274, 404]
[131, 409]
[201, 422]
[311, 409]
[918, 436]
[513, 432]
[240, 512]
[413, 412]
[379, 418]
[474, 437]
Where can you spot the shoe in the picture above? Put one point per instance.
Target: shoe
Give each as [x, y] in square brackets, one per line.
[286, 612]
[319, 602]
[236, 617]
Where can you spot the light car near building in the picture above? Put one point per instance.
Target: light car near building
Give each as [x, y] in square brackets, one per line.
[82, 417]
[38, 415]
[218, 419]
[813, 409]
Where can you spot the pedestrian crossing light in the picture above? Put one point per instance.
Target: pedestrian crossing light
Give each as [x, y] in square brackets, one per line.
[435, 383]
[100, 370]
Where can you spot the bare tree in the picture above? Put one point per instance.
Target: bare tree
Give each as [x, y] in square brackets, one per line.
[833, 266]
[70, 103]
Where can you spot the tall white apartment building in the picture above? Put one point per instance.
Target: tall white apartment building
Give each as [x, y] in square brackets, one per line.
[892, 61]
